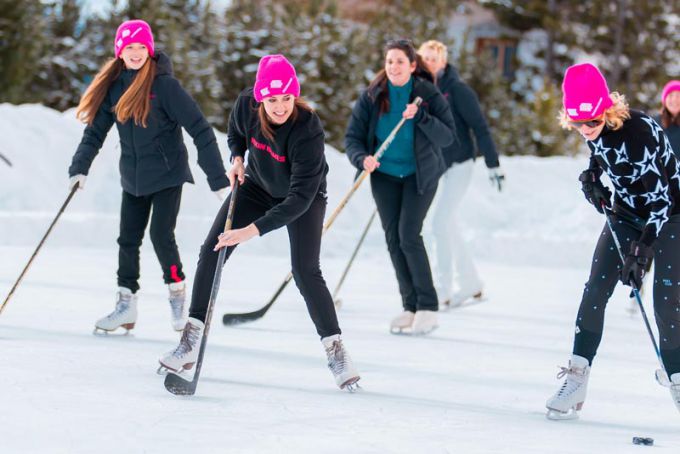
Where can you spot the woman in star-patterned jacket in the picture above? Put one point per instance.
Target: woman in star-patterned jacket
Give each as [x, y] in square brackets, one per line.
[632, 149]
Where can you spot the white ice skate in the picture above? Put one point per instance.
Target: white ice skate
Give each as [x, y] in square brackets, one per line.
[402, 323]
[424, 322]
[675, 389]
[185, 355]
[340, 363]
[568, 400]
[123, 316]
[466, 296]
[177, 297]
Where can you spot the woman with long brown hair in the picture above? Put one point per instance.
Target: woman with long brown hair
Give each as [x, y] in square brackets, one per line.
[669, 116]
[284, 184]
[404, 182]
[137, 91]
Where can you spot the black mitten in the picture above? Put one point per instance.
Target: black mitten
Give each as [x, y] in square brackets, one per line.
[636, 264]
[593, 189]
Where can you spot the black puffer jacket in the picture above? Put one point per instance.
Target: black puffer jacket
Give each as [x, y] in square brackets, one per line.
[434, 129]
[155, 157]
[469, 118]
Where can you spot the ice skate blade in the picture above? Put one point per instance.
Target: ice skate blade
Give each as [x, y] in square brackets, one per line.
[351, 385]
[556, 415]
[101, 332]
[401, 331]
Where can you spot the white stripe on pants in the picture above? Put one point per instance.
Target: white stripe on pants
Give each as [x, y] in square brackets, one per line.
[444, 238]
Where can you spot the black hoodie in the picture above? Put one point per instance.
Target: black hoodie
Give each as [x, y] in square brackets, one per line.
[292, 168]
[155, 157]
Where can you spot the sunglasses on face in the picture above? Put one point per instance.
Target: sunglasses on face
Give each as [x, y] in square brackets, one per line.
[590, 123]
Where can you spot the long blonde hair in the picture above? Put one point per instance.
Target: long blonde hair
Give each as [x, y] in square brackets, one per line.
[613, 117]
[135, 102]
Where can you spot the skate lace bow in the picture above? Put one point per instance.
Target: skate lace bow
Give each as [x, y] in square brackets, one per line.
[188, 340]
[572, 382]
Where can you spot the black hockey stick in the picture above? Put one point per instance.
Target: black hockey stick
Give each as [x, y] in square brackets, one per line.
[7, 161]
[337, 301]
[37, 249]
[664, 377]
[236, 319]
[176, 383]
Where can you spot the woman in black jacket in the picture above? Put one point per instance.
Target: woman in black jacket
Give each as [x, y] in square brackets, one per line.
[445, 237]
[138, 93]
[283, 185]
[404, 182]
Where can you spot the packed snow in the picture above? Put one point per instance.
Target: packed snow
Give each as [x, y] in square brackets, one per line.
[478, 384]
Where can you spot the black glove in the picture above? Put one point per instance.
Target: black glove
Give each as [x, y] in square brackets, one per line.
[636, 264]
[594, 190]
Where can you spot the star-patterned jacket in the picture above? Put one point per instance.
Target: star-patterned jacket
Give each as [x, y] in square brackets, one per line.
[643, 169]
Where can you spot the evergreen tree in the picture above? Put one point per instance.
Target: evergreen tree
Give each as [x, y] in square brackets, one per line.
[60, 80]
[22, 43]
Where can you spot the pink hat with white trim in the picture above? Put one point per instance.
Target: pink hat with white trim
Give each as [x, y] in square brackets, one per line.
[275, 76]
[131, 32]
[585, 94]
[673, 85]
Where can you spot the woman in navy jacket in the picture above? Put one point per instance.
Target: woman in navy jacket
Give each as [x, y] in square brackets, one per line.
[405, 180]
[138, 93]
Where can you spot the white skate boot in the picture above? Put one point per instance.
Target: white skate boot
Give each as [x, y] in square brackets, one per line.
[402, 323]
[675, 389]
[124, 315]
[424, 322]
[185, 355]
[340, 363]
[177, 297]
[466, 296]
[568, 400]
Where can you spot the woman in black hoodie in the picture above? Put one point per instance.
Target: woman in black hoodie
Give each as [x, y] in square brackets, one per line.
[137, 92]
[284, 184]
[405, 180]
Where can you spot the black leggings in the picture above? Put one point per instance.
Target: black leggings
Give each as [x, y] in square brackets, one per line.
[604, 275]
[402, 212]
[304, 234]
[163, 207]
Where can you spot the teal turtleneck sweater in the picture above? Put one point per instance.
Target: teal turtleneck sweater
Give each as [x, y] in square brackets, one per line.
[398, 160]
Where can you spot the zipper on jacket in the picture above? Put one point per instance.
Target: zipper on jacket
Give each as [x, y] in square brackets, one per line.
[165, 158]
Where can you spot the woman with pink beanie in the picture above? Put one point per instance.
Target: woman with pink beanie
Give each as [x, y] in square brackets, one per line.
[669, 116]
[284, 184]
[632, 149]
[137, 91]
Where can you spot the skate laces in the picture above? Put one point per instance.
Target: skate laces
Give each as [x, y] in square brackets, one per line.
[122, 306]
[188, 340]
[337, 357]
[574, 379]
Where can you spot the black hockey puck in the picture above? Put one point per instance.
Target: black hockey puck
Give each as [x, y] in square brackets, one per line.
[643, 441]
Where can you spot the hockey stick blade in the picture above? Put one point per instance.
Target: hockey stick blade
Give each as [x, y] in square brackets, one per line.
[237, 319]
[179, 386]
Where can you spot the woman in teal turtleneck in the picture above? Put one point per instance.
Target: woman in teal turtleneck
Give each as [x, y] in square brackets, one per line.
[405, 180]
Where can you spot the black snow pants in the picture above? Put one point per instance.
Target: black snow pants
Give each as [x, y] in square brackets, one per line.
[163, 207]
[402, 213]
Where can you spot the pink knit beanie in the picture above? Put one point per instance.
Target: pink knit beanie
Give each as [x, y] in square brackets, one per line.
[585, 94]
[131, 32]
[275, 76]
[673, 85]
